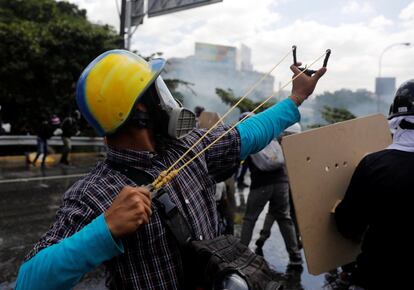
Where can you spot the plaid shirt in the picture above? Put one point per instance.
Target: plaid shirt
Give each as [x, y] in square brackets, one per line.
[151, 258]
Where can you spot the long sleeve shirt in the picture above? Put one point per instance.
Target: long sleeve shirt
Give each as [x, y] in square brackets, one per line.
[377, 209]
[80, 240]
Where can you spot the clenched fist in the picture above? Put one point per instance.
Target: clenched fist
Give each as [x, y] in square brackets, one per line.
[130, 210]
[304, 85]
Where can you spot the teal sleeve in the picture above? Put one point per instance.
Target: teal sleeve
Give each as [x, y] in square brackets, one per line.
[257, 131]
[62, 265]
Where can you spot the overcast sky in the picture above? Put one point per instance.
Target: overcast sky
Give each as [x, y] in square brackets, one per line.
[356, 31]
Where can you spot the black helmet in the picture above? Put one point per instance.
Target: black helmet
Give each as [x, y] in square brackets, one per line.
[403, 104]
[198, 110]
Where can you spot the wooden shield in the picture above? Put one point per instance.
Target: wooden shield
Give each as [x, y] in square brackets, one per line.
[320, 164]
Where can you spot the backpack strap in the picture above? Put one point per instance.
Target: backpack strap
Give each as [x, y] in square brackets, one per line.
[172, 217]
[139, 177]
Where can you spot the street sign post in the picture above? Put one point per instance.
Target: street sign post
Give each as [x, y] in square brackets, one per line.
[134, 11]
[161, 7]
[137, 12]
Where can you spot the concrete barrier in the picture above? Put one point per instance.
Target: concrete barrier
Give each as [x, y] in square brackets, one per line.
[30, 140]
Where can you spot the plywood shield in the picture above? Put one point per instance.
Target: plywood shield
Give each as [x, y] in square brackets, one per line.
[320, 164]
[208, 119]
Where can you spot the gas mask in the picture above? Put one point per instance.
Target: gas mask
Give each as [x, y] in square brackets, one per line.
[181, 121]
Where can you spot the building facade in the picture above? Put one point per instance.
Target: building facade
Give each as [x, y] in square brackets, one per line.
[217, 66]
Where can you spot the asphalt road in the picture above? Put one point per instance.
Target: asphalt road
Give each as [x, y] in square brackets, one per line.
[29, 198]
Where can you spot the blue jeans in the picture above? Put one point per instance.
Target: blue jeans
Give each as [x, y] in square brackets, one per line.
[41, 149]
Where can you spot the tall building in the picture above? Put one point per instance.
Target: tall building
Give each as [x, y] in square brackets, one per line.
[244, 58]
[217, 66]
[224, 56]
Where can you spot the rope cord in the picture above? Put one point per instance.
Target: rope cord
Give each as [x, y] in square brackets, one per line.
[248, 92]
[164, 179]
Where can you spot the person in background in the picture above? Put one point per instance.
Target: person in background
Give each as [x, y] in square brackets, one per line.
[376, 208]
[56, 125]
[272, 214]
[239, 175]
[219, 197]
[269, 183]
[69, 129]
[44, 131]
[230, 203]
[197, 111]
[226, 205]
[3, 130]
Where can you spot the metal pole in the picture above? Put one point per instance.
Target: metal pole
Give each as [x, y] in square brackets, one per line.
[378, 102]
[122, 23]
[380, 65]
[380, 62]
[128, 25]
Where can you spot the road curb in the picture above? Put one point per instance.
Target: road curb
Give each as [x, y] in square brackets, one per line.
[21, 159]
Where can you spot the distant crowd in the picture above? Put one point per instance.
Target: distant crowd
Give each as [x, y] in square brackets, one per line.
[53, 126]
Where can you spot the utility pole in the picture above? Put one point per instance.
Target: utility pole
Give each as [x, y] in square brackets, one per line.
[387, 48]
[122, 23]
[133, 12]
[128, 25]
[380, 67]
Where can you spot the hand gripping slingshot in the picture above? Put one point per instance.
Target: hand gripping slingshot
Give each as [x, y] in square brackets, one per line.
[310, 72]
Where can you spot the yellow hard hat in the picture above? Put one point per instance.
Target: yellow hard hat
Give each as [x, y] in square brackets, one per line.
[110, 86]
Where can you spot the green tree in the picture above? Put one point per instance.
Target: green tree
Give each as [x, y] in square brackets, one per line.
[247, 105]
[44, 46]
[173, 85]
[334, 115]
[360, 102]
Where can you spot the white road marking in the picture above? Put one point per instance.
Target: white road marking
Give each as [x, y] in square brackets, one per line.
[41, 178]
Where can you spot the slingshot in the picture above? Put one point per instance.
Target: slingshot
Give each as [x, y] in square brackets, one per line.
[165, 176]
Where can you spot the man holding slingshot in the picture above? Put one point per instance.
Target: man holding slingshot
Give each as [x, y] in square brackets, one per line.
[105, 217]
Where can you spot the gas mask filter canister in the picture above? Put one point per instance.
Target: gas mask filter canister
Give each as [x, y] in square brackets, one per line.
[181, 121]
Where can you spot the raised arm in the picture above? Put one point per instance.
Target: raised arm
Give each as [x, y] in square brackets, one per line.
[257, 131]
[253, 134]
